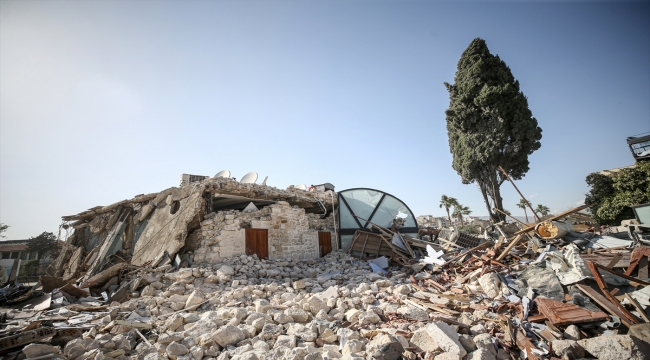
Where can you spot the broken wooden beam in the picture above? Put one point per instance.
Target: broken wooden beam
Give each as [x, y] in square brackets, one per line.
[638, 254]
[599, 299]
[603, 287]
[637, 306]
[512, 244]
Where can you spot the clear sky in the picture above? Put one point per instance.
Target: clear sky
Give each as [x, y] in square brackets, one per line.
[103, 100]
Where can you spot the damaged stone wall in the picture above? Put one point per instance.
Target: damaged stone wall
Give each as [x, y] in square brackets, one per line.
[292, 234]
[168, 226]
[142, 229]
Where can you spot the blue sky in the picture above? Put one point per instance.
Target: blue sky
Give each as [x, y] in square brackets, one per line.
[101, 101]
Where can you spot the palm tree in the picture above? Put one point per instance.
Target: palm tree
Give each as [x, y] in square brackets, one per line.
[447, 202]
[457, 214]
[544, 210]
[522, 204]
[465, 210]
[459, 211]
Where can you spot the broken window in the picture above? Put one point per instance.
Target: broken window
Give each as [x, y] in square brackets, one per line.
[360, 208]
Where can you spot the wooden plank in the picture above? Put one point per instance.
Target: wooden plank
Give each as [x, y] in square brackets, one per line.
[547, 335]
[637, 254]
[354, 241]
[643, 268]
[599, 299]
[603, 287]
[605, 258]
[525, 344]
[364, 244]
[614, 260]
[613, 272]
[481, 246]
[449, 242]
[559, 313]
[510, 246]
[406, 244]
[638, 307]
[369, 243]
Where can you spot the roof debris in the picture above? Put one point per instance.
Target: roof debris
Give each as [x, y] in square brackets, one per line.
[543, 290]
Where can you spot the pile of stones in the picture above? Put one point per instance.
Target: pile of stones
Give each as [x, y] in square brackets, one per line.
[331, 308]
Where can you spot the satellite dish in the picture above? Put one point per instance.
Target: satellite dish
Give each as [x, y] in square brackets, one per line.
[264, 182]
[223, 173]
[301, 186]
[249, 178]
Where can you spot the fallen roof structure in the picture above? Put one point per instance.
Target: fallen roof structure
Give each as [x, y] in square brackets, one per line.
[143, 229]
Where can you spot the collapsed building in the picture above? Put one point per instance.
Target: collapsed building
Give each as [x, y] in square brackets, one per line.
[202, 222]
[208, 219]
[224, 270]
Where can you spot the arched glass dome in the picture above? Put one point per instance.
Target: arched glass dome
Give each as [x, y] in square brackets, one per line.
[370, 206]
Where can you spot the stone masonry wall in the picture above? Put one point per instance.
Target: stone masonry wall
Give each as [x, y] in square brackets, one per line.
[292, 234]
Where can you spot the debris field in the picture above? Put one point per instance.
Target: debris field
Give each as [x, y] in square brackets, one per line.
[556, 288]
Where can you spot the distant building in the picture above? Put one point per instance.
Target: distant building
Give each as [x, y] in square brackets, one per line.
[17, 249]
[433, 221]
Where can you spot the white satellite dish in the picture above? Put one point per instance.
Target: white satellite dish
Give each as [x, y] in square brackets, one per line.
[264, 182]
[223, 173]
[301, 186]
[249, 178]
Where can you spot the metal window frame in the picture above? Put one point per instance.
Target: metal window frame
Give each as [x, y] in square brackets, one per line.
[351, 231]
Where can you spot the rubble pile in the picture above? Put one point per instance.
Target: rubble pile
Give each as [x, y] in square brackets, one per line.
[532, 291]
[246, 308]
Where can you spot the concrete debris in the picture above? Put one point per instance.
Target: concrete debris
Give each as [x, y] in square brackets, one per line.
[185, 274]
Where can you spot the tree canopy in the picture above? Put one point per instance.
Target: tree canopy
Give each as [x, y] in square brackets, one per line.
[543, 209]
[522, 204]
[489, 124]
[614, 195]
[43, 244]
[459, 211]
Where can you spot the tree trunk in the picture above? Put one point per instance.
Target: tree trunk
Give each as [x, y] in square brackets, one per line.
[526, 213]
[448, 216]
[486, 199]
[496, 194]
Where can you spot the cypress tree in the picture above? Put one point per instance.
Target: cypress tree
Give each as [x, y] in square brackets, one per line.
[489, 124]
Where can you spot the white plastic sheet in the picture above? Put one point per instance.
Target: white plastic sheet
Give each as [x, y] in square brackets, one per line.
[433, 256]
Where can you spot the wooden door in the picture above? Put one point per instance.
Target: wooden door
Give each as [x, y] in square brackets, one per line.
[325, 242]
[257, 242]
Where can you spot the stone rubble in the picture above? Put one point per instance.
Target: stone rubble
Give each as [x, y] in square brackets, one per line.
[243, 308]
